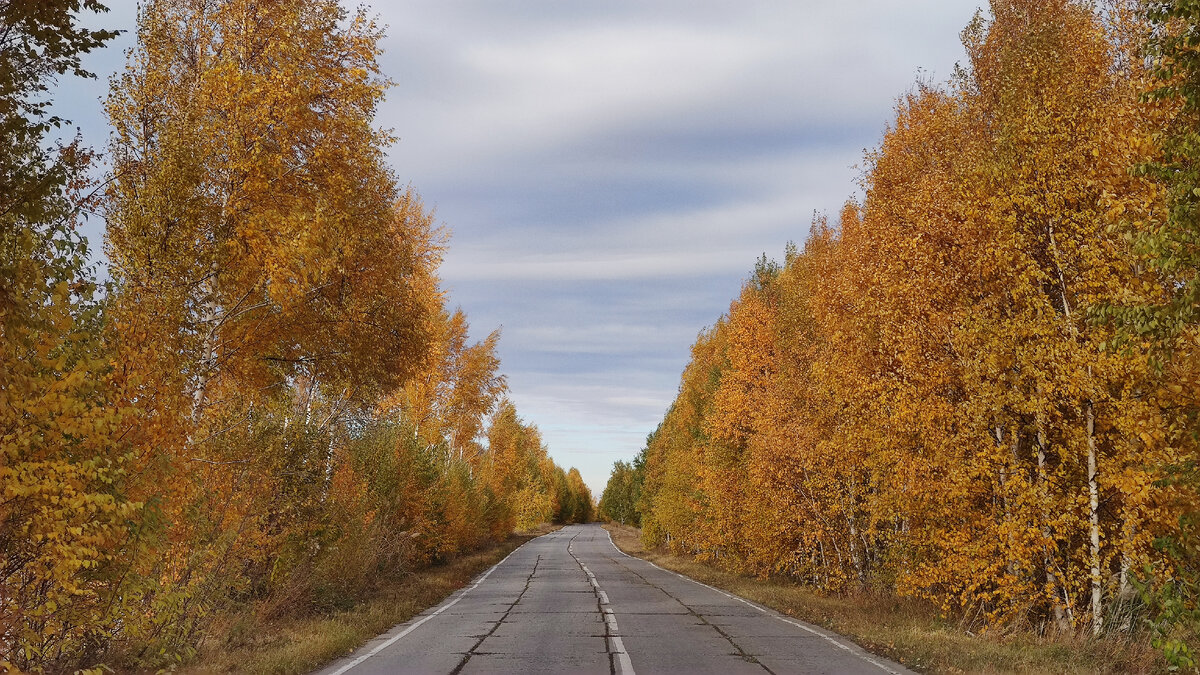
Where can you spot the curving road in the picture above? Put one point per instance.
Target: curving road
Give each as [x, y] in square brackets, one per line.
[571, 602]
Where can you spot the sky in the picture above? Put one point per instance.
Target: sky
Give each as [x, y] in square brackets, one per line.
[610, 170]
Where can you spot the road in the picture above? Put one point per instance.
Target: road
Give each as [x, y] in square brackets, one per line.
[571, 602]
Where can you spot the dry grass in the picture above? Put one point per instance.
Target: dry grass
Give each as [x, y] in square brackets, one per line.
[246, 643]
[910, 631]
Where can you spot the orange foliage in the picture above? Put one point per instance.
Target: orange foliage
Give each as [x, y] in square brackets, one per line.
[921, 399]
[272, 407]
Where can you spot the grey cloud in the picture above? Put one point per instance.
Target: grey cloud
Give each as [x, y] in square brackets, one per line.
[612, 169]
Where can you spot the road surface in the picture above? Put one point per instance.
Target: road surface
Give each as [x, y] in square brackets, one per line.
[571, 602]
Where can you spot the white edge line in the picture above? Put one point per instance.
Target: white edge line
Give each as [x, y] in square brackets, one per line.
[771, 613]
[445, 606]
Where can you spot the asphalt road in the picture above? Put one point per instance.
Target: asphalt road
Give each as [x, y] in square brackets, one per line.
[571, 602]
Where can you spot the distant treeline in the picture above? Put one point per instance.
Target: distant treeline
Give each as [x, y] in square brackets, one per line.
[980, 385]
[269, 404]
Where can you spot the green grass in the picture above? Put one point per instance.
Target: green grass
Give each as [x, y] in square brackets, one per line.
[911, 631]
[248, 643]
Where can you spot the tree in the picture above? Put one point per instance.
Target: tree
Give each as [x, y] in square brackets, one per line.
[40, 42]
[1165, 237]
[512, 468]
[581, 508]
[922, 399]
[68, 528]
[455, 390]
[621, 494]
[271, 280]
[66, 524]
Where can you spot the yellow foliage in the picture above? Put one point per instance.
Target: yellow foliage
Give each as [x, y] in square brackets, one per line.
[921, 399]
[272, 407]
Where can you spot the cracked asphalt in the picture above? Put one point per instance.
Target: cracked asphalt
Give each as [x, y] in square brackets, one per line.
[571, 602]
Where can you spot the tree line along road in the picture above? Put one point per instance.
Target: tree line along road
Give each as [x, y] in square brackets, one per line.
[571, 602]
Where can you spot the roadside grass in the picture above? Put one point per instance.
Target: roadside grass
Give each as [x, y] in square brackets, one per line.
[247, 643]
[911, 631]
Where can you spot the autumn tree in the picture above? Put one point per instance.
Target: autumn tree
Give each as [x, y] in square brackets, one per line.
[40, 43]
[1165, 238]
[578, 507]
[270, 406]
[672, 495]
[923, 398]
[65, 520]
[271, 278]
[621, 494]
[512, 467]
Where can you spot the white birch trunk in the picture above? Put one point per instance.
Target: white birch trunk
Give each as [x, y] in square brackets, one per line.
[1094, 520]
[207, 363]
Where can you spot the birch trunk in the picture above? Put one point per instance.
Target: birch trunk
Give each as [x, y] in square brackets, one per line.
[854, 554]
[207, 363]
[1094, 519]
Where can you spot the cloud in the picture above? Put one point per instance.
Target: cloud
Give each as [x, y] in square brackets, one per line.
[524, 82]
[611, 170]
[595, 363]
[557, 267]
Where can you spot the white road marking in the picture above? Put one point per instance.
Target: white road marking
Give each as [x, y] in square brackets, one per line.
[771, 613]
[616, 646]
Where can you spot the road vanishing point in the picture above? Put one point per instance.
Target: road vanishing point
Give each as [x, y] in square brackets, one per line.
[572, 602]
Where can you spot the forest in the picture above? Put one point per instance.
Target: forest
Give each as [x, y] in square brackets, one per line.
[977, 384]
[264, 399]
